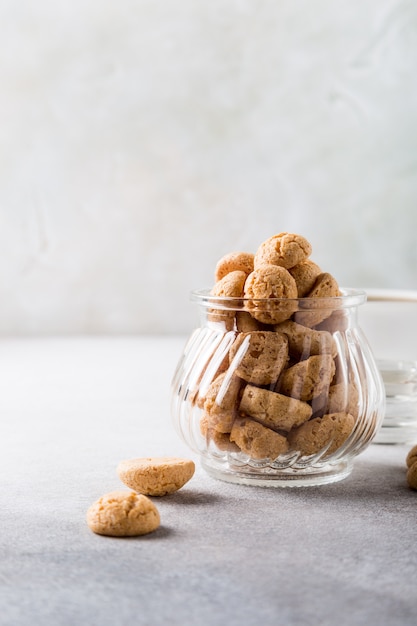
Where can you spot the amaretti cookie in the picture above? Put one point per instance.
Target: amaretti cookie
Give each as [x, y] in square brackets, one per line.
[230, 286]
[221, 401]
[309, 378]
[123, 514]
[284, 249]
[220, 440]
[259, 357]
[412, 476]
[331, 430]
[266, 283]
[256, 440]
[304, 341]
[305, 275]
[340, 397]
[245, 323]
[272, 409]
[411, 456]
[325, 287]
[234, 261]
[156, 476]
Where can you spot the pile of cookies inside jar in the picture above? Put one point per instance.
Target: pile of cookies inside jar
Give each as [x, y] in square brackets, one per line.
[281, 386]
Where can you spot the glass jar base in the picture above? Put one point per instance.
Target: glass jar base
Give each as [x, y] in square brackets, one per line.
[271, 477]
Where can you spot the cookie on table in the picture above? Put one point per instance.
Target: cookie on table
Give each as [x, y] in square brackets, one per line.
[309, 378]
[285, 250]
[274, 410]
[325, 286]
[411, 456]
[260, 356]
[123, 514]
[257, 441]
[234, 261]
[319, 432]
[264, 283]
[304, 341]
[156, 476]
[412, 476]
[305, 275]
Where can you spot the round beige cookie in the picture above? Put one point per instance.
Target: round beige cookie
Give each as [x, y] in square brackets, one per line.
[411, 456]
[220, 440]
[272, 409]
[305, 275]
[284, 249]
[325, 288]
[230, 286]
[264, 285]
[341, 397]
[156, 476]
[222, 401]
[309, 378]
[319, 432]
[256, 440]
[412, 476]
[234, 261]
[304, 341]
[245, 323]
[123, 514]
[259, 357]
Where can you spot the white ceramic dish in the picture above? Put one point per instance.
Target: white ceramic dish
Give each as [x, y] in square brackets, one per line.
[389, 321]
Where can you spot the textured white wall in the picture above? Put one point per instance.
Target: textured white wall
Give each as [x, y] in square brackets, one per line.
[141, 140]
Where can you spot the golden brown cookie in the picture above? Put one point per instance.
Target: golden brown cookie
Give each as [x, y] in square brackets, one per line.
[304, 341]
[259, 357]
[305, 275]
[156, 476]
[309, 378]
[245, 323]
[220, 440]
[265, 284]
[325, 288]
[123, 514]
[412, 476]
[234, 261]
[230, 286]
[272, 409]
[330, 430]
[411, 456]
[341, 397]
[284, 249]
[222, 401]
[256, 440]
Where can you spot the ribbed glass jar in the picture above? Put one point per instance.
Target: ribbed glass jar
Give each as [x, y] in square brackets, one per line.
[278, 392]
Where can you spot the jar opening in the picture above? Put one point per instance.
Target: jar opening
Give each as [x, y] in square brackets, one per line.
[349, 298]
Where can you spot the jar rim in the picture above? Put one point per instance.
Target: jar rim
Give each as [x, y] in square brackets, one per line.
[349, 298]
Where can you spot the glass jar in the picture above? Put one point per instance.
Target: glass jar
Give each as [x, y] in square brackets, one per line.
[278, 392]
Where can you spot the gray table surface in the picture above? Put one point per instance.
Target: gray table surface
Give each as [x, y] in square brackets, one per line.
[72, 408]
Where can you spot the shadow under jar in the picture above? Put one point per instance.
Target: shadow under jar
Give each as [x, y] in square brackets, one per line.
[278, 392]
